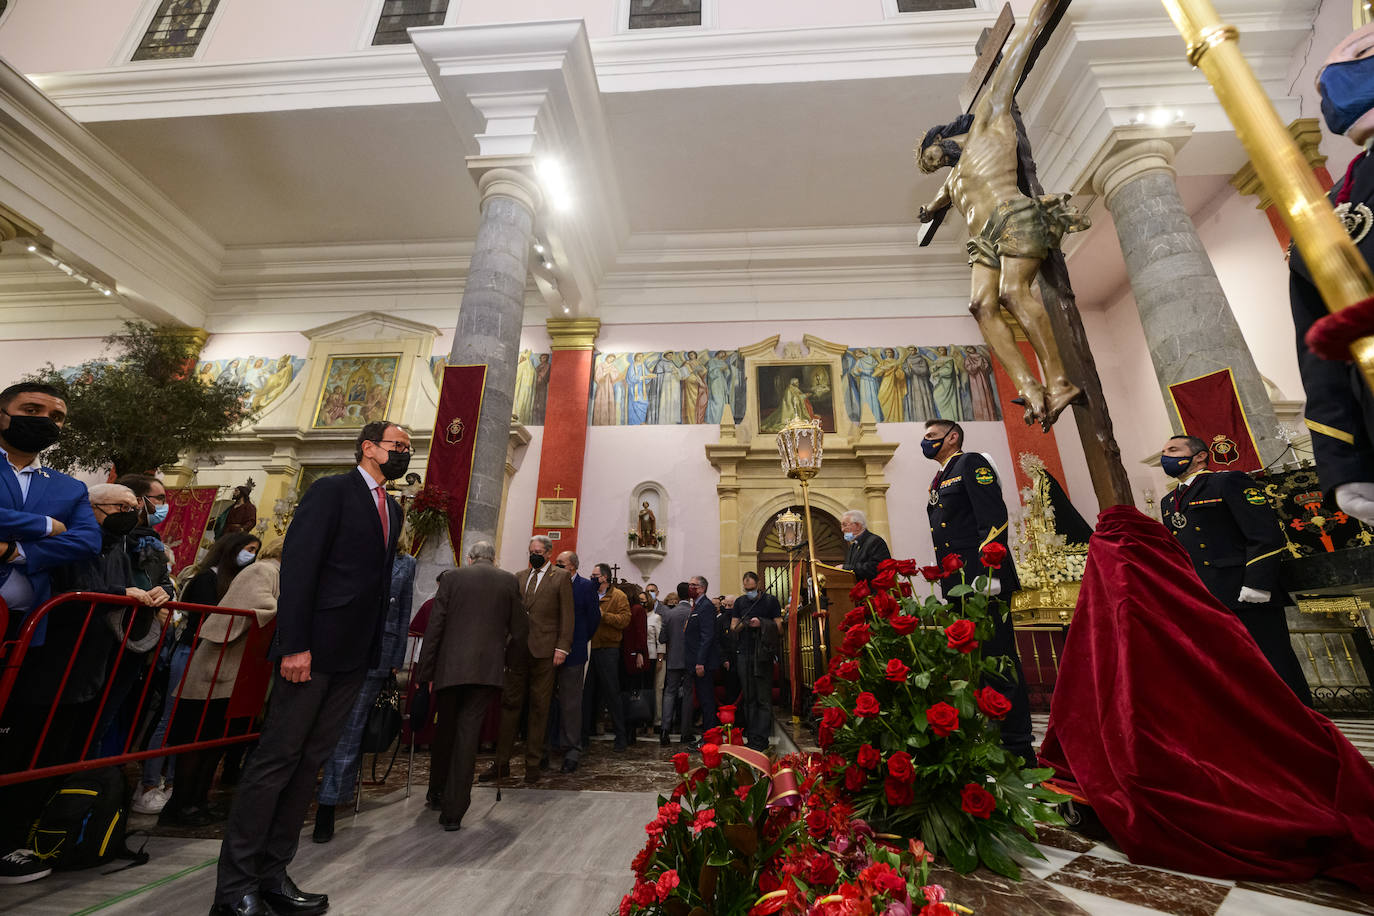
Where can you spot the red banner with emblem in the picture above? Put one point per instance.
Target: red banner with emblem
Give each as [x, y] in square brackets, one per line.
[455, 436]
[1209, 408]
[188, 515]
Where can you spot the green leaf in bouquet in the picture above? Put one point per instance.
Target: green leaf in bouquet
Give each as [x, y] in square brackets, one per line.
[980, 584]
[962, 854]
[742, 838]
[918, 740]
[922, 680]
[960, 591]
[995, 857]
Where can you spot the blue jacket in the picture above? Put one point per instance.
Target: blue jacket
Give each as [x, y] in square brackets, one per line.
[699, 639]
[586, 618]
[396, 626]
[52, 494]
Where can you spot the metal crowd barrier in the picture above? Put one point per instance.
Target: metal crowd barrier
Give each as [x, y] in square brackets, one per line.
[246, 698]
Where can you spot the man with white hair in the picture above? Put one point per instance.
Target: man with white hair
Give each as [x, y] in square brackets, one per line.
[866, 549]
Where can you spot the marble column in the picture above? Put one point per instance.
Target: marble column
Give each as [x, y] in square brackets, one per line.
[489, 321]
[1189, 326]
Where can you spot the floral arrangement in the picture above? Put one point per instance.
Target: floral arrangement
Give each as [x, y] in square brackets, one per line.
[904, 706]
[427, 514]
[742, 835]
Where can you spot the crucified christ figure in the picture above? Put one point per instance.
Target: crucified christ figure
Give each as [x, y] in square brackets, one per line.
[1010, 233]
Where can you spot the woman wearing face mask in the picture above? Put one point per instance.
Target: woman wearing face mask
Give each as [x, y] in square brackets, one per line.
[207, 583]
[209, 680]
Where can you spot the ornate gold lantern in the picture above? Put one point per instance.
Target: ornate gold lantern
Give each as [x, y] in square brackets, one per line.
[801, 446]
[788, 526]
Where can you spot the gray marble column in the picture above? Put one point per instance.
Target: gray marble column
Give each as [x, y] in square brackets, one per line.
[1189, 326]
[488, 332]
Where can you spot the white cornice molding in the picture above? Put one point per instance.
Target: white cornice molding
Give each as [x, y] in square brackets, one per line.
[96, 206]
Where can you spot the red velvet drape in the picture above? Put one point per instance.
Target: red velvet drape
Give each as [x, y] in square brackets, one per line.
[1188, 746]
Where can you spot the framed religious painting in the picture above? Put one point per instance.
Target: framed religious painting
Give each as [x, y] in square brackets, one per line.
[555, 513]
[356, 390]
[795, 391]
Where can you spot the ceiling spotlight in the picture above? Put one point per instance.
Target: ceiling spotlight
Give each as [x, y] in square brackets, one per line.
[565, 310]
[538, 248]
[554, 180]
[546, 264]
[33, 248]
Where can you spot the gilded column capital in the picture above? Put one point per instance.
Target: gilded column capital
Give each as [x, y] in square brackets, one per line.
[573, 333]
[1132, 151]
[1307, 132]
[506, 176]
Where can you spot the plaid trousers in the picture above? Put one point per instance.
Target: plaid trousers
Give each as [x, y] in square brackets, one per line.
[341, 769]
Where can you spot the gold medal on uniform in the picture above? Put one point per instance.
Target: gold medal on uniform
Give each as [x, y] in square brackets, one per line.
[934, 497]
[1178, 520]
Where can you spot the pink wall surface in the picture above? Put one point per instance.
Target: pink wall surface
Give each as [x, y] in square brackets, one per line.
[69, 35]
[301, 28]
[599, 16]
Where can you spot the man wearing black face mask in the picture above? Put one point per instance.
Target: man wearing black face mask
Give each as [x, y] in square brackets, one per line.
[1340, 407]
[45, 523]
[1235, 540]
[335, 589]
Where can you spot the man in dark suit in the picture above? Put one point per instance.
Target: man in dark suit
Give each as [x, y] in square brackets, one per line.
[565, 715]
[478, 613]
[755, 623]
[1235, 540]
[702, 653]
[45, 523]
[966, 514]
[335, 583]
[866, 549]
[548, 601]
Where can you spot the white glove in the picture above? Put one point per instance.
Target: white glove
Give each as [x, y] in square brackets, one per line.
[1357, 499]
[1250, 595]
[994, 587]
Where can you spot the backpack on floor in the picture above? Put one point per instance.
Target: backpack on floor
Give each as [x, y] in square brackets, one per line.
[84, 822]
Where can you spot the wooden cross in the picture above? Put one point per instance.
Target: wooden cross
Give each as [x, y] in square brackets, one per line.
[1094, 422]
[558, 490]
[615, 572]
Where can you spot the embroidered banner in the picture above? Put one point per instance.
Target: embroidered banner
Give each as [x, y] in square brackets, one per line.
[1209, 408]
[188, 515]
[455, 435]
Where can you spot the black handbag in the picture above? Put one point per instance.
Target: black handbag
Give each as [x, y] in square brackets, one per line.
[638, 710]
[383, 725]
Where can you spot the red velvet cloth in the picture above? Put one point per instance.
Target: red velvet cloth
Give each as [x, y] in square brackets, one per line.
[1190, 749]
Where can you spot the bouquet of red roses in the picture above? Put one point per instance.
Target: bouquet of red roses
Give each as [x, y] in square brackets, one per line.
[428, 511]
[903, 704]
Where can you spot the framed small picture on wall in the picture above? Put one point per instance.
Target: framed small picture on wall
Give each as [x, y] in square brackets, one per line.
[556, 513]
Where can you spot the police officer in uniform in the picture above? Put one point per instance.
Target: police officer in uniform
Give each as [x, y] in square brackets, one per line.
[1233, 535]
[1340, 408]
[966, 513]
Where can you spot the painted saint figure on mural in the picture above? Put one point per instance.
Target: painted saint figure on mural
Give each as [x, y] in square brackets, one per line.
[915, 384]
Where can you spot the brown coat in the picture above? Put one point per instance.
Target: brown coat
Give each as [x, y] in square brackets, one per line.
[255, 589]
[615, 616]
[477, 610]
[550, 610]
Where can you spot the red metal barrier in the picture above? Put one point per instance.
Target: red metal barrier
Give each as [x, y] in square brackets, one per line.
[246, 697]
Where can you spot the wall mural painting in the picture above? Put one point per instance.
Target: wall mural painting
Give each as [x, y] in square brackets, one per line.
[674, 387]
[531, 384]
[356, 391]
[266, 376]
[915, 384]
[795, 392]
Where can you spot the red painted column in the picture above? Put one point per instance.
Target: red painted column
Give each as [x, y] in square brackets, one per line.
[1307, 133]
[1020, 437]
[563, 451]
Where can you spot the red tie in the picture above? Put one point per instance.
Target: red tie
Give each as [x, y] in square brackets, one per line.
[384, 514]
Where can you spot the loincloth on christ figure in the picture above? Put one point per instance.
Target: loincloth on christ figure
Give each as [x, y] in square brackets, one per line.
[1024, 227]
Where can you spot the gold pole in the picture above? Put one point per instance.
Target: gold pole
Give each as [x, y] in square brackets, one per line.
[1340, 273]
[804, 474]
[1363, 13]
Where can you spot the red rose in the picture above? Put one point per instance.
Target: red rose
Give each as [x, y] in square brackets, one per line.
[858, 636]
[823, 687]
[899, 767]
[682, 763]
[993, 555]
[825, 736]
[960, 634]
[977, 801]
[854, 779]
[848, 670]
[726, 715]
[713, 736]
[869, 757]
[906, 590]
[898, 793]
[821, 871]
[834, 717]
[710, 755]
[991, 703]
[866, 706]
[896, 671]
[943, 719]
[885, 579]
[882, 878]
[906, 567]
[935, 909]
[951, 563]
[933, 573]
[817, 822]
[904, 624]
[855, 616]
[884, 605]
[860, 591]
